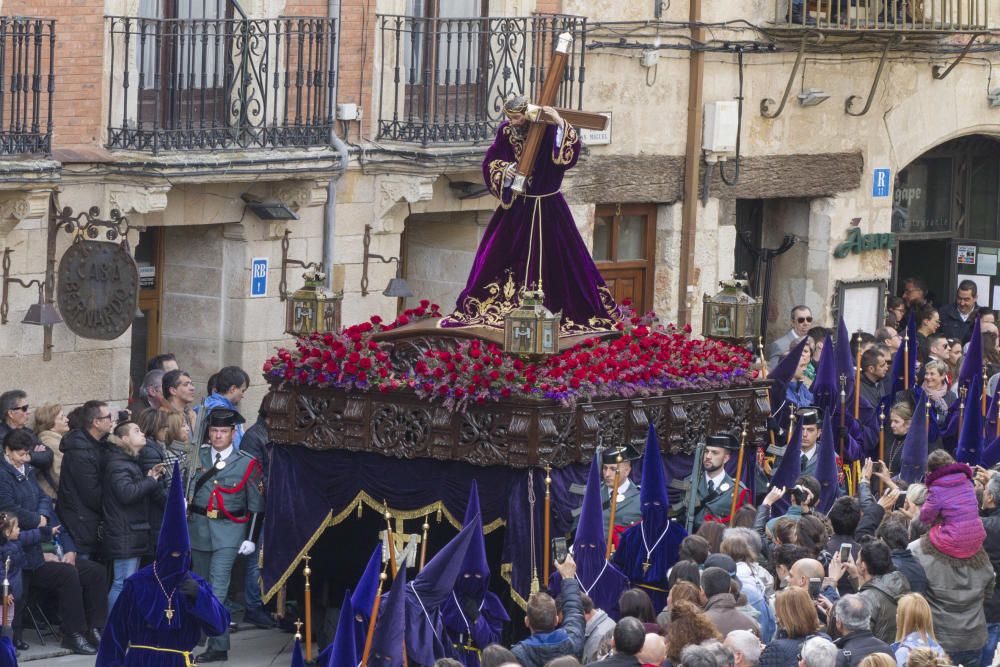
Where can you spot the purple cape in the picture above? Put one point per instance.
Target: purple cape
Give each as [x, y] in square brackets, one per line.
[503, 267]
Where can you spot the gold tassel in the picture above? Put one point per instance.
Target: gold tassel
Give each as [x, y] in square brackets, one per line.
[360, 507]
[439, 514]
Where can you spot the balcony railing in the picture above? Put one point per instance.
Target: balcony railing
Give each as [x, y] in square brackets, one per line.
[901, 15]
[220, 83]
[26, 84]
[445, 80]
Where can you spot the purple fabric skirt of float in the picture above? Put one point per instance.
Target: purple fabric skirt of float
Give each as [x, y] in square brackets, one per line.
[508, 260]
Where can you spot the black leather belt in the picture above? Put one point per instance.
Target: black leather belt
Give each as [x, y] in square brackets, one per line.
[215, 514]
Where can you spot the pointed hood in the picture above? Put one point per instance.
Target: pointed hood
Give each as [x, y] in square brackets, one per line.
[913, 458]
[590, 530]
[297, 659]
[390, 628]
[845, 361]
[826, 387]
[343, 651]
[826, 466]
[474, 578]
[363, 598]
[970, 377]
[653, 491]
[782, 376]
[991, 454]
[174, 538]
[970, 439]
[436, 580]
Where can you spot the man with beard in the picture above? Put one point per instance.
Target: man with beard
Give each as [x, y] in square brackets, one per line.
[714, 490]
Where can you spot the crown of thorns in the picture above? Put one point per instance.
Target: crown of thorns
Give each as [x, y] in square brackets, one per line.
[516, 104]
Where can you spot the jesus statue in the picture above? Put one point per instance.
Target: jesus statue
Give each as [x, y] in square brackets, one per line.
[532, 241]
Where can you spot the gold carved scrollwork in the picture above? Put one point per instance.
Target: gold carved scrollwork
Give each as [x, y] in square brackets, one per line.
[563, 154]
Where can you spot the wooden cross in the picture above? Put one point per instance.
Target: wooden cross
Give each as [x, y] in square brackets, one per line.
[583, 119]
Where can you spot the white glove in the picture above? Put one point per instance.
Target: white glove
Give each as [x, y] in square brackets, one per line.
[246, 548]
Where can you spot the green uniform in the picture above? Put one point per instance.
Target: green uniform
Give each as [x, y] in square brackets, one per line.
[220, 517]
[627, 511]
[715, 504]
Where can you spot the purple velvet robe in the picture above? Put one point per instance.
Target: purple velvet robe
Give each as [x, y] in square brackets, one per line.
[128, 623]
[508, 256]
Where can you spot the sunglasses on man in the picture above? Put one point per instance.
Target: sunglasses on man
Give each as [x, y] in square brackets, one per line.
[803, 320]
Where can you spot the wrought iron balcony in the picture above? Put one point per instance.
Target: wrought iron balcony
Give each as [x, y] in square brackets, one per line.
[220, 83]
[884, 15]
[444, 80]
[26, 84]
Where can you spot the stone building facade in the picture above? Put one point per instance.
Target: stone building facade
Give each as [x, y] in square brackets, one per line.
[417, 84]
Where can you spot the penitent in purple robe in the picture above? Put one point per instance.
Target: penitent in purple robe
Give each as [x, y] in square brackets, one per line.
[648, 549]
[508, 256]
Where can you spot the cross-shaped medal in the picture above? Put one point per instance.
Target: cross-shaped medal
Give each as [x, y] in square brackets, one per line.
[645, 567]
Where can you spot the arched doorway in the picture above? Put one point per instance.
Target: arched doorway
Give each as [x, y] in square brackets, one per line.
[946, 217]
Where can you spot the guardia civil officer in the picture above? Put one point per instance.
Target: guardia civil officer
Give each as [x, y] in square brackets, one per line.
[225, 501]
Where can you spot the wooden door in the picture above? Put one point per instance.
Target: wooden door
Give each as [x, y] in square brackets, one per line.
[624, 251]
[146, 329]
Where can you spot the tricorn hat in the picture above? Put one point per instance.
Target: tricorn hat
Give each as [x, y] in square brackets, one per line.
[723, 440]
[610, 455]
[810, 415]
[225, 417]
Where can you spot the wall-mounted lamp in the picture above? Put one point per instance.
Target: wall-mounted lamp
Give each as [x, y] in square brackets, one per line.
[812, 97]
[397, 287]
[42, 313]
[311, 308]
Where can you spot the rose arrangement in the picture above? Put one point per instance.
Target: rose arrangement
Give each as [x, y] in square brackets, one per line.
[646, 358]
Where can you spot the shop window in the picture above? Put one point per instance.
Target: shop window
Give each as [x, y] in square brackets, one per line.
[984, 179]
[922, 197]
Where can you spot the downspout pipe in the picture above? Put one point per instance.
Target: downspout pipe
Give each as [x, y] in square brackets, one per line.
[687, 279]
[330, 210]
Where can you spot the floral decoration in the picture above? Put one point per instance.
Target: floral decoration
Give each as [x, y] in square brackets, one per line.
[645, 358]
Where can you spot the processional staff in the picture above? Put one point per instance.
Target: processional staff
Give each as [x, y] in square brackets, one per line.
[547, 524]
[306, 572]
[739, 476]
[614, 506]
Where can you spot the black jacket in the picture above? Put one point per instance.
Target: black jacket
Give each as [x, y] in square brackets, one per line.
[127, 496]
[991, 522]
[254, 443]
[911, 568]
[952, 325]
[41, 460]
[857, 646]
[79, 497]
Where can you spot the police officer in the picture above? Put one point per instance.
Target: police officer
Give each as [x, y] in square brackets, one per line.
[811, 419]
[225, 499]
[628, 509]
[715, 488]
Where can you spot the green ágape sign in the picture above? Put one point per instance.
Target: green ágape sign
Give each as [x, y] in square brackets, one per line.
[858, 243]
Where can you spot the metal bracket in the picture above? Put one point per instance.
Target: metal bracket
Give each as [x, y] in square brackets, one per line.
[89, 223]
[7, 280]
[364, 266]
[878, 77]
[767, 102]
[287, 261]
[940, 71]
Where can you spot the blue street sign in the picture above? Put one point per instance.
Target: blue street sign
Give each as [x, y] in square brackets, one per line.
[880, 183]
[258, 280]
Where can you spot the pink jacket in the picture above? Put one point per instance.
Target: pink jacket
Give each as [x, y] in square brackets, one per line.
[952, 511]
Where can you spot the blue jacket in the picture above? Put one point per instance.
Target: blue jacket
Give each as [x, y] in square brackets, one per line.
[21, 495]
[567, 639]
[14, 549]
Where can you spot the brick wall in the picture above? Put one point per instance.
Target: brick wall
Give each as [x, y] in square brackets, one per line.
[548, 6]
[79, 73]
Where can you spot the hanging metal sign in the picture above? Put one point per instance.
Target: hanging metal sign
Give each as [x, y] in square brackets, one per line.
[98, 281]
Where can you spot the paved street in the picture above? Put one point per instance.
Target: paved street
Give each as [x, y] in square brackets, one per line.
[251, 648]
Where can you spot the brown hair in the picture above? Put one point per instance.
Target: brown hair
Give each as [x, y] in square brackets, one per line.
[913, 614]
[712, 532]
[938, 459]
[796, 612]
[785, 530]
[166, 423]
[688, 625]
[45, 416]
[878, 660]
[541, 612]
[745, 516]
[8, 520]
[737, 548]
[684, 591]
